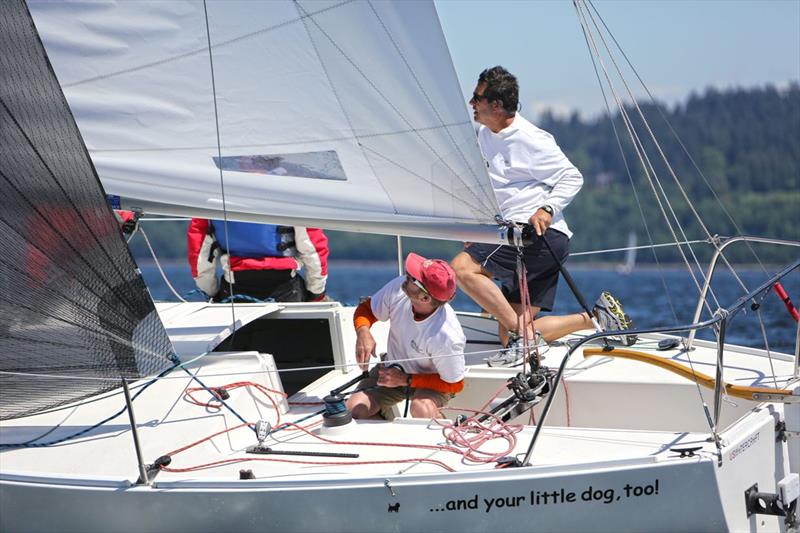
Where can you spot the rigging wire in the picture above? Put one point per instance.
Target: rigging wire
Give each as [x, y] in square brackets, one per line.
[219, 159]
[31, 443]
[677, 138]
[637, 144]
[647, 166]
[671, 171]
[633, 186]
[640, 247]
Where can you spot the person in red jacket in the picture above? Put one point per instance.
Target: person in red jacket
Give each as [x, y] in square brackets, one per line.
[258, 260]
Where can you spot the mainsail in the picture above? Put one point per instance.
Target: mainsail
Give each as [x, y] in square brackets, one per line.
[337, 114]
[75, 314]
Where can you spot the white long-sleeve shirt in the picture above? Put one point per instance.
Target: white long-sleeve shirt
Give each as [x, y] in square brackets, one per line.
[529, 170]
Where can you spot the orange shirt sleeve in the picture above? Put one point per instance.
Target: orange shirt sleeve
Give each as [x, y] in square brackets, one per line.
[434, 382]
[363, 315]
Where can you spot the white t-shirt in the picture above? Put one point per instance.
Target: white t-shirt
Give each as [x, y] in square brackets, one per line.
[529, 170]
[439, 334]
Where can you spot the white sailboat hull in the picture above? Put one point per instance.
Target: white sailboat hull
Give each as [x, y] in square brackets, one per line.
[690, 495]
[582, 478]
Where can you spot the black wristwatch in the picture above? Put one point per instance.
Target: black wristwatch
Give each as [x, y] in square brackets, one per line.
[548, 209]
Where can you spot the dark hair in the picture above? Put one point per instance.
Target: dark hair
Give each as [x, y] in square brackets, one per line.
[501, 85]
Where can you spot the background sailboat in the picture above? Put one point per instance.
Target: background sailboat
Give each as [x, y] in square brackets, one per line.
[630, 255]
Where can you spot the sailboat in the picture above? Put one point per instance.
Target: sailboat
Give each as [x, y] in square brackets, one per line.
[630, 255]
[118, 414]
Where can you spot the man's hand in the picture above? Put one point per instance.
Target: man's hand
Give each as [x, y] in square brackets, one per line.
[392, 377]
[365, 347]
[540, 221]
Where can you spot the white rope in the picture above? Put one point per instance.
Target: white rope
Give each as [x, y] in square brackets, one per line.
[158, 265]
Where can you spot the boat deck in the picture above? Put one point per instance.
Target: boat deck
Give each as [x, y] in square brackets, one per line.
[614, 411]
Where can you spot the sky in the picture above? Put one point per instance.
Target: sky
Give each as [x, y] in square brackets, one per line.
[677, 46]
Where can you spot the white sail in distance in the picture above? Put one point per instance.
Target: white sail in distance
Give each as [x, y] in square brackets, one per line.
[342, 115]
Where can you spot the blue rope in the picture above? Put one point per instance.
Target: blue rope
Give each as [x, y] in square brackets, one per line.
[303, 419]
[333, 408]
[33, 444]
[196, 291]
[245, 297]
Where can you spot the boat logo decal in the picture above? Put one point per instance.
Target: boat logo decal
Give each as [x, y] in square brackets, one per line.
[752, 439]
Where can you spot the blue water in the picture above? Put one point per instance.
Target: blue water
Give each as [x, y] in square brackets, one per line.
[642, 292]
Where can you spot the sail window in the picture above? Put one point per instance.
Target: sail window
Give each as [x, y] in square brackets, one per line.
[323, 165]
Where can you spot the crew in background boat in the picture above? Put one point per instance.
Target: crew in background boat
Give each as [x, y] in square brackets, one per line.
[260, 260]
[534, 182]
[425, 339]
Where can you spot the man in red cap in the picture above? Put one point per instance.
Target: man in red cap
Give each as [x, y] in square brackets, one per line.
[425, 358]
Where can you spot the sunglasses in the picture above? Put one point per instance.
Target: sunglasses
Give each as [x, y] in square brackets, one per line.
[417, 283]
[478, 97]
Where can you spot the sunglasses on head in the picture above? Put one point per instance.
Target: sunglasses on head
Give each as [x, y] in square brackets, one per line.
[414, 281]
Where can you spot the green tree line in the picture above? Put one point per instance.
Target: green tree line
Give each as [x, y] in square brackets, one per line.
[741, 161]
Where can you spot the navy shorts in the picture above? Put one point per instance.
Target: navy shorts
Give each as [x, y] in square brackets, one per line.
[501, 262]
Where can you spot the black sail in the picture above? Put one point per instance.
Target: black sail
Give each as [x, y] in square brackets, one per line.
[75, 314]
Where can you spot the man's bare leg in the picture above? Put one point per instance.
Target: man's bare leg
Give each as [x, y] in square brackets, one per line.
[426, 404]
[478, 284]
[554, 327]
[362, 406]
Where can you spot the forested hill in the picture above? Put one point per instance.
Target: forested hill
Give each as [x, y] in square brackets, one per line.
[746, 142]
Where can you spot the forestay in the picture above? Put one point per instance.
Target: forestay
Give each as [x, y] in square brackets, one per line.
[344, 115]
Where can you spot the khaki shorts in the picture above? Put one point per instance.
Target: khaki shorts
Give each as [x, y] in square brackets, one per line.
[388, 397]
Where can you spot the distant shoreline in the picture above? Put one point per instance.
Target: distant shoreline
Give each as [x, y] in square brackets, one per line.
[577, 266]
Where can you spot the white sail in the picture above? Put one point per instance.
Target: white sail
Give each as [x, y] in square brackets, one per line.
[318, 123]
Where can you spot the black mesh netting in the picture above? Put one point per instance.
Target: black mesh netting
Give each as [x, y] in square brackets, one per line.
[72, 303]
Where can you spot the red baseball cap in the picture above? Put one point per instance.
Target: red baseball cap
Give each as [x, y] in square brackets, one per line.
[436, 276]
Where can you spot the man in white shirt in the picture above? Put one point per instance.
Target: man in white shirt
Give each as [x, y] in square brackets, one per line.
[533, 181]
[425, 358]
